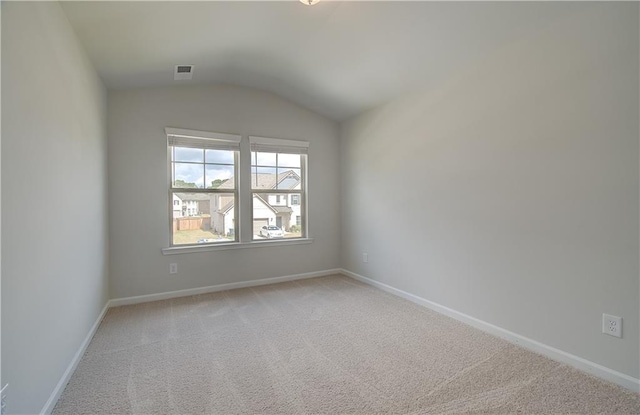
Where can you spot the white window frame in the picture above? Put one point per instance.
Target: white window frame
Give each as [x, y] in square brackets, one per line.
[177, 137]
[242, 165]
[282, 146]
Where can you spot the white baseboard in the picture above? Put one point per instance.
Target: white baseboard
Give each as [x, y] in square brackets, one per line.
[595, 369]
[220, 287]
[55, 395]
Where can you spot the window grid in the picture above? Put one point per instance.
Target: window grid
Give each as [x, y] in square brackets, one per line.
[299, 190]
[286, 196]
[189, 208]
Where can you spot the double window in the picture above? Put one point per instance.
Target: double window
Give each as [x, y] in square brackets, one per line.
[205, 191]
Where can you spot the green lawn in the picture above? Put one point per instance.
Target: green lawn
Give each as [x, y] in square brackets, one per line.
[193, 236]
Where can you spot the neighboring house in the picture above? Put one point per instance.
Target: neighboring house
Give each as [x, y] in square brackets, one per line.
[190, 204]
[222, 214]
[266, 213]
[177, 206]
[282, 210]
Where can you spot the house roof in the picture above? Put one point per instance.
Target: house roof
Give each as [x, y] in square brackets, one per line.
[282, 209]
[275, 209]
[192, 196]
[286, 180]
[227, 207]
[261, 199]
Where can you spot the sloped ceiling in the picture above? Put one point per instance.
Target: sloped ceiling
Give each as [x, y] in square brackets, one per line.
[335, 58]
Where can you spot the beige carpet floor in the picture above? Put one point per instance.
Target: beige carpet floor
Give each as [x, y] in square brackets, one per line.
[326, 345]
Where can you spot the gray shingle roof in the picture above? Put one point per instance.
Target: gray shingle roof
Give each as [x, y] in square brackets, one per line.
[282, 209]
[227, 207]
[288, 180]
[192, 196]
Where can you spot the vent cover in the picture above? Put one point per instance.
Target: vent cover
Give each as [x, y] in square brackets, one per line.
[182, 72]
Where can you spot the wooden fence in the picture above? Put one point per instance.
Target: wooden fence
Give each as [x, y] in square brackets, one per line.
[191, 223]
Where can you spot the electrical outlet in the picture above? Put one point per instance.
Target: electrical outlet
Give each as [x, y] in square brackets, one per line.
[3, 399]
[612, 325]
[173, 268]
[365, 257]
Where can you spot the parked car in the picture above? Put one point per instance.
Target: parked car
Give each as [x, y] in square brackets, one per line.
[271, 232]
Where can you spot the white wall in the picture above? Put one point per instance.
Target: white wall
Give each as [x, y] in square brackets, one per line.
[1, 385]
[516, 184]
[54, 238]
[138, 194]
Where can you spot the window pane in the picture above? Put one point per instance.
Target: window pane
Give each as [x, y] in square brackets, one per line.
[219, 156]
[273, 219]
[263, 159]
[219, 176]
[188, 175]
[188, 154]
[202, 218]
[263, 178]
[289, 179]
[288, 160]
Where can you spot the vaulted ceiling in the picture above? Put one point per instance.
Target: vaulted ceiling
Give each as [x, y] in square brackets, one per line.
[336, 58]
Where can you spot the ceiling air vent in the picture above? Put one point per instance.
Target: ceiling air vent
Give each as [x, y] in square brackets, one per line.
[181, 72]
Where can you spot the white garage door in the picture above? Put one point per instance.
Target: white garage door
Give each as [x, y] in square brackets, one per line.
[258, 224]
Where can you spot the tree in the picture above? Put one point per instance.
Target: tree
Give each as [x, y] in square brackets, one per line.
[182, 183]
[217, 183]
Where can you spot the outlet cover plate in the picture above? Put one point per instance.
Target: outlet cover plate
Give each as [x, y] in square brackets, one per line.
[612, 325]
[173, 268]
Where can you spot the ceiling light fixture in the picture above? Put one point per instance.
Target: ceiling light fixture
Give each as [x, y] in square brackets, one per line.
[309, 2]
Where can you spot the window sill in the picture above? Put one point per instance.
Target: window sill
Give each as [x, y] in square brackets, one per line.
[174, 250]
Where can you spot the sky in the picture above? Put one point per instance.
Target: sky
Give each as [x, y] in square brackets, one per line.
[192, 165]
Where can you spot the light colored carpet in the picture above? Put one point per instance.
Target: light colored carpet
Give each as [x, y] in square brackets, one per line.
[326, 345]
